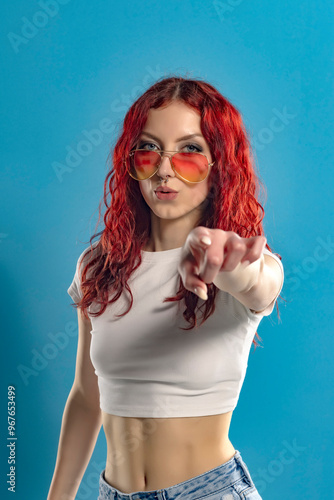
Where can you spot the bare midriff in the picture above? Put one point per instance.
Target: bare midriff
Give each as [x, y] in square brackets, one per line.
[146, 454]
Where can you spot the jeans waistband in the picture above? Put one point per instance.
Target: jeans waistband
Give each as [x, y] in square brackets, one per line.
[209, 482]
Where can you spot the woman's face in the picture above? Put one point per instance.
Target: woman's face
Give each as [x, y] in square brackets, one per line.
[163, 130]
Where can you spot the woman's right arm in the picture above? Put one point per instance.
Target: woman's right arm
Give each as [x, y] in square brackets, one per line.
[81, 422]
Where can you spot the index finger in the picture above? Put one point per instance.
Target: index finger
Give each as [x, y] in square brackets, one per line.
[199, 241]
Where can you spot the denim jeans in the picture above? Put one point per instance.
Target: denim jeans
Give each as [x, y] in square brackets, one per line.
[228, 481]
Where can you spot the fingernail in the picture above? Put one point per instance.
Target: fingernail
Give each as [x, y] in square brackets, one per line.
[201, 293]
[206, 240]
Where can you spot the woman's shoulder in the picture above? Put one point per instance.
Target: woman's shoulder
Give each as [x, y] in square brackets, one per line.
[88, 253]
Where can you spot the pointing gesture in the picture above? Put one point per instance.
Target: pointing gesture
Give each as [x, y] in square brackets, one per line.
[208, 252]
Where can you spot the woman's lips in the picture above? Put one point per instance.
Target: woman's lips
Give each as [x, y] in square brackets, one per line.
[166, 189]
[161, 195]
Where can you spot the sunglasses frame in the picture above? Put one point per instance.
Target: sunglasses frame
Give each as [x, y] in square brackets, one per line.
[160, 153]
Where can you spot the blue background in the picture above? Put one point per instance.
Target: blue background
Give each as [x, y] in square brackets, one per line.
[88, 62]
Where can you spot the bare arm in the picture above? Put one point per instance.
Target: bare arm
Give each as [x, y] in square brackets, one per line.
[81, 422]
[263, 277]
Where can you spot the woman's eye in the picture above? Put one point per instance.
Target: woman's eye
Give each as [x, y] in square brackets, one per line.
[193, 146]
[144, 144]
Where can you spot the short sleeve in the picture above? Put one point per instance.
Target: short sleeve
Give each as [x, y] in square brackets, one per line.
[74, 289]
[269, 309]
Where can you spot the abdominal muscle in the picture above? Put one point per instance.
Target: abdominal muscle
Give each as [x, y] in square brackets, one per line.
[146, 454]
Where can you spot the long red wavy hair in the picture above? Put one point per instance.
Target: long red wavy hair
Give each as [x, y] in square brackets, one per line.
[232, 204]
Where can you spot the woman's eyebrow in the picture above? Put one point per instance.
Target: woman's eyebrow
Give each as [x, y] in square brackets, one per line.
[190, 136]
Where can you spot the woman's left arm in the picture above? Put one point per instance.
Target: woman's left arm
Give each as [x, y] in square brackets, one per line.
[234, 264]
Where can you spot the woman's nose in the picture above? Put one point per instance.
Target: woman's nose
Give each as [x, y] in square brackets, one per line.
[165, 167]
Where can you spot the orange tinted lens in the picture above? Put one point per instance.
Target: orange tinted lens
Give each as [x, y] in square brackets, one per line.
[191, 166]
[143, 164]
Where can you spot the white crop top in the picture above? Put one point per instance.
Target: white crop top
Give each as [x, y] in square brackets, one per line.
[147, 367]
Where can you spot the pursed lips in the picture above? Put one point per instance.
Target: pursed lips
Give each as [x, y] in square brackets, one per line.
[165, 190]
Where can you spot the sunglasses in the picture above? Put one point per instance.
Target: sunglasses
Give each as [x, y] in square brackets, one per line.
[191, 167]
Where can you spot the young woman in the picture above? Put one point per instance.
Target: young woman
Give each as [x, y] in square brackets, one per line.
[169, 299]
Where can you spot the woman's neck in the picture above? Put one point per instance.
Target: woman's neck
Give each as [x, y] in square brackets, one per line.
[167, 234]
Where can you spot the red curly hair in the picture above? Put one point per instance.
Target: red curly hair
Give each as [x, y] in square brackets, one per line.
[231, 205]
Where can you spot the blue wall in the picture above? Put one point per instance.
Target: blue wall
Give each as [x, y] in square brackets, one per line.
[78, 66]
